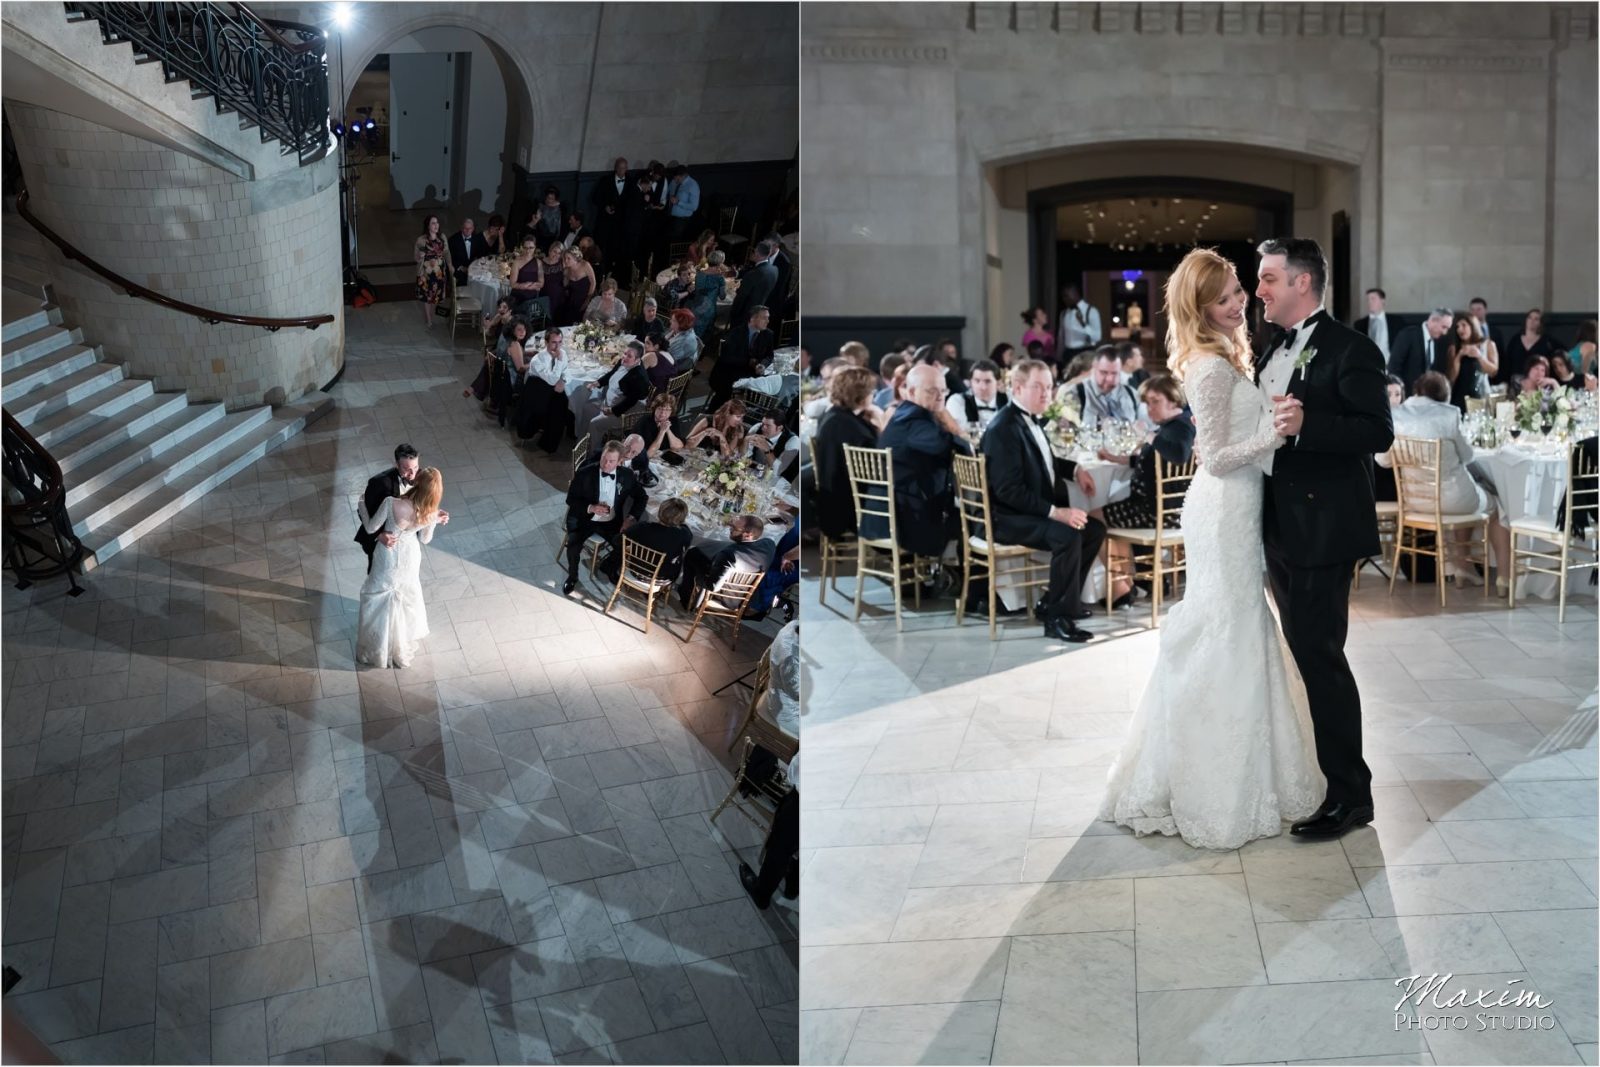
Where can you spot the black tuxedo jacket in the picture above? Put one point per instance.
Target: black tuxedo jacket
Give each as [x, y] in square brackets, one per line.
[745, 353]
[1319, 503]
[1408, 354]
[1022, 487]
[780, 284]
[631, 210]
[605, 194]
[379, 486]
[461, 253]
[755, 287]
[585, 490]
[635, 387]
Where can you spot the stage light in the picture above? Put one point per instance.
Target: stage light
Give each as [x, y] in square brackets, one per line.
[340, 16]
[337, 127]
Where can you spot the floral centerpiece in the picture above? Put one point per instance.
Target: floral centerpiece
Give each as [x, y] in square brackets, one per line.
[726, 480]
[1545, 409]
[1063, 417]
[592, 335]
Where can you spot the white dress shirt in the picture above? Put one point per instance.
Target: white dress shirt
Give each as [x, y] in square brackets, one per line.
[1378, 330]
[1044, 450]
[1279, 371]
[608, 490]
[956, 405]
[547, 369]
[614, 387]
[1074, 335]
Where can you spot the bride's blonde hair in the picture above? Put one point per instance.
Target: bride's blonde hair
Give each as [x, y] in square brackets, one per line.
[425, 494]
[1197, 283]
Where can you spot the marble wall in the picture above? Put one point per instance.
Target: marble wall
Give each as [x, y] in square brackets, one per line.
[1461, 139]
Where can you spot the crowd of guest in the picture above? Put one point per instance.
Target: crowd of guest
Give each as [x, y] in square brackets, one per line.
[910, 408]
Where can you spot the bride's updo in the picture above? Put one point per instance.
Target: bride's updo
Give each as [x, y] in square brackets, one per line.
[1198, 282]
[425, 494]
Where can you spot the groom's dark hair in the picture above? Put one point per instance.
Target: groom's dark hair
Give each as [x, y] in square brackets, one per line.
[1302, 256]
[404, 452]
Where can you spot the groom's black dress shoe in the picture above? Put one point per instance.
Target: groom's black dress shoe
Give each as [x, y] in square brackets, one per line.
[1332, 820]
[1063, 629]
[569, 585]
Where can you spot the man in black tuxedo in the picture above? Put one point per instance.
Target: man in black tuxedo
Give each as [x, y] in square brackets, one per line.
[779, 298]
[396, 481]
[604, 498]
[745, 350]
[465, 247]
[633, 213]
[576, 231]
[600, 408]
[1416, 350]
[1027, 508]
[756, 285]
[606, 199]
[746, 550]
[922, 436]
[1331, 403]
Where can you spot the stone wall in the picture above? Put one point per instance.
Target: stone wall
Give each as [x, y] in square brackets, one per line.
[1461, 138]
[193, 232]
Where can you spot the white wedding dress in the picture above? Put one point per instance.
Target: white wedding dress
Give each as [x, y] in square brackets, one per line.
[393, 618]
[1220, 749]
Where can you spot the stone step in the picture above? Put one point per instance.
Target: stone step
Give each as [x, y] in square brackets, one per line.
[54, 430]
[160, 506]
[42, 371]
[24, 312]
[99, 509]
[26, 347]
[65, 392]
[150, 446]
[88, 441]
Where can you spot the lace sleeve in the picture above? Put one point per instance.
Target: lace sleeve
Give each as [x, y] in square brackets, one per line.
[372, 524]
[1210, 389]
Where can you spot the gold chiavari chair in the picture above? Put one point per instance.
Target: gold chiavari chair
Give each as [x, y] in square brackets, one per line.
[580, 454]
[872, 486]
[832, 553]
[757, 691]
[761, 806]
[1165, 543]
[728, 600]
[640, 572]
[676, 250]
[1582, 498]
[1475, 405]
[1388, 526]
[1418, 480]
[463, 308]
[982, 556]
[757, 404]
[788, 332]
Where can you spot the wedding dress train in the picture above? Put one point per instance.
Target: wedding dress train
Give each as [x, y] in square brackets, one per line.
[393, 617]
[1220, 750]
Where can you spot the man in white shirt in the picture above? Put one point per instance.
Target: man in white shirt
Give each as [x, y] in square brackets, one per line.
[978, 405]
[1080, 323]
[1478, 308]
[1376, 323]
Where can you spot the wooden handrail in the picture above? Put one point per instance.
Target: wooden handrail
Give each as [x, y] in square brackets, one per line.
[209, 316]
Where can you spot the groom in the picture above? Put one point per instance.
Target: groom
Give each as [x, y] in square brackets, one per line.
[396, 481]
[1329, 399]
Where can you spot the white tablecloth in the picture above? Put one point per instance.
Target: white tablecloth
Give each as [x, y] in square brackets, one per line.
[485, 282]
[708, 524]
[585, 367]
[1530, 484]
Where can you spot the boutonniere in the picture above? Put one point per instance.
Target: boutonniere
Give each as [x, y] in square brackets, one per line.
[1303, 360]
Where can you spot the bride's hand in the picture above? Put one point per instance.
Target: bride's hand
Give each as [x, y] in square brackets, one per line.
[387, 539]
[444, 517]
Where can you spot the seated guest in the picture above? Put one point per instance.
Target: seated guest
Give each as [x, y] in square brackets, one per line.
[495, 241]
[682, 341]
[922, 435]
[606, 309]
[543, 407]
[983, 398]
[658, 362]
[660, 429]
[575, 231]
[1429, 415]
[897, 390]
[495, 324]
[1561, 371]
[666, 534]
[817, 405]
[505, 385]
[1024, 505]
[745, 351]
[856, 353]
[1132, 357]
[886, 368]
[680, 288]
[1582, 353]
[1533, 377]
[590, 252]
[707, 565]
[605, 498]
[722, 432]
[1523, 346]
[637, 458]
[1173, 441]
[600, 408]
[846, 422]
[701, 247]
[650, 323]
[1397, 390]
[547, 218]
[1382, 477]
[465, 247]
[774, 444]
[1002, 356]
[782, 572]
[1106, 395]
[709, 287]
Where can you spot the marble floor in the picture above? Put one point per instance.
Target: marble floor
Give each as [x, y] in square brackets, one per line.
[967, 907]
[224, 843]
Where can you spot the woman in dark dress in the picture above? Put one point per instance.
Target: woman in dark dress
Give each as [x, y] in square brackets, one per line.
[1523, 347]
[666, 534]
[553, 282]
[660, 430]
[1173, 441]
[1468, 357]
[845, 423]
[577, 280]
[510, 369]
[658, 364]
[527, 279]
[495, 329]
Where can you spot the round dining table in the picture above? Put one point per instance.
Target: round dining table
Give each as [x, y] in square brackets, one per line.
[1529, 482]
[486, 282]
[707, 521]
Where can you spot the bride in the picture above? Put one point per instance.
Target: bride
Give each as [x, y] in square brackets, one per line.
[1220, 750]
[393, 618]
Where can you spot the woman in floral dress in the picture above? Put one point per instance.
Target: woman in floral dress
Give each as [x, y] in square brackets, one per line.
[430, 257]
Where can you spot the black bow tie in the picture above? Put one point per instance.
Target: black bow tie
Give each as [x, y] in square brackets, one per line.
[1040, 421]
[608, 477]
[1286, 337]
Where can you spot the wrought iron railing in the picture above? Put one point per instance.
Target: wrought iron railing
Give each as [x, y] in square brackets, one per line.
[38, 538]
[273, 73]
